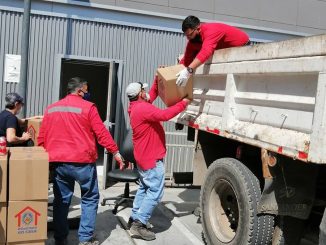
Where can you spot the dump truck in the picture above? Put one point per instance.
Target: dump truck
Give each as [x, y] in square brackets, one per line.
[258, 120]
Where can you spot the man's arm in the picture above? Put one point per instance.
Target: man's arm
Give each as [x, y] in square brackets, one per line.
[209, 45]
[153, 93]
[154, 114]
[103, 136]
[12, 138]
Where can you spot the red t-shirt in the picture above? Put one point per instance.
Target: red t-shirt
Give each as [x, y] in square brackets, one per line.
[214, 36]
[147, 131]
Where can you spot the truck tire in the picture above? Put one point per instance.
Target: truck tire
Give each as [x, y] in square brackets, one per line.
[228, 201]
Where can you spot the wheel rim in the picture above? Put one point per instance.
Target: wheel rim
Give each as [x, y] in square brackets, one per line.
[223, 211]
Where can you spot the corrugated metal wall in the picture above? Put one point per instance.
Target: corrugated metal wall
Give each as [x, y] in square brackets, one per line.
[140, 49]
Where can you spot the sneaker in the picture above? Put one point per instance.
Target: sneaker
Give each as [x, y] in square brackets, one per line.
[93, 241]
[139, 230]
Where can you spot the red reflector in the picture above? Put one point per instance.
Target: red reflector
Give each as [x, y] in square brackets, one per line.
[303, 155]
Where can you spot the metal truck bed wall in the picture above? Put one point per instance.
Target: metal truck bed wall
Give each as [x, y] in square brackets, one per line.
[268, 95]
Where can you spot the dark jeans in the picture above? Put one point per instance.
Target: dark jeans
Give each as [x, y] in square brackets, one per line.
[65, 175]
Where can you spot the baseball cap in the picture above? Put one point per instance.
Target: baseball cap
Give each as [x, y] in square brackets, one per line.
[133, 89]
[12, 98]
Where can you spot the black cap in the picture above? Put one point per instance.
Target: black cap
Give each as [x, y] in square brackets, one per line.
[12, 98]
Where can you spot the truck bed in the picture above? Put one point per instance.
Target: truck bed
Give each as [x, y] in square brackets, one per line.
[269, 95]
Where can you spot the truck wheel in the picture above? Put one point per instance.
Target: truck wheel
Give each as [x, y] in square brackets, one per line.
[228, 202]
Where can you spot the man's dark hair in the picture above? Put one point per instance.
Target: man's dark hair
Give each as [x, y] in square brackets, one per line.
[75, 83]
[11, 99]
[190, 22]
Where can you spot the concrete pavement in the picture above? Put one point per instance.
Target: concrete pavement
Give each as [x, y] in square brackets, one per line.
[173, 220]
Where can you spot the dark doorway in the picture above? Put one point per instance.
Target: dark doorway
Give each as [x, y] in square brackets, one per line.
[97, 76]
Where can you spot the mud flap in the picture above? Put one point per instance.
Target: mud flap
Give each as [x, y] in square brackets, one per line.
[291, 190]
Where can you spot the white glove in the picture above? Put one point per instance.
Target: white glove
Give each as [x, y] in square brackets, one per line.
[182, 77]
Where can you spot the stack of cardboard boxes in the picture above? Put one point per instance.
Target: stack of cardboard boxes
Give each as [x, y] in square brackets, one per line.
[24, 196]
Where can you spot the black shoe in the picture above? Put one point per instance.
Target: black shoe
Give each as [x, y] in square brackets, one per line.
[61, 242]
[139, 230]
[130, 221]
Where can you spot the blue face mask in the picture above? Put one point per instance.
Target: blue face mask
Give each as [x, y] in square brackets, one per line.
[87, 96]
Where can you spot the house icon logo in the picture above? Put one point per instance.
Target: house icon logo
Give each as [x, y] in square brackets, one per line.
[27, 220]
[32, 131]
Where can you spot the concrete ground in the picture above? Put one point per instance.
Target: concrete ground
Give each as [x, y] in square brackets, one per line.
[173, 220]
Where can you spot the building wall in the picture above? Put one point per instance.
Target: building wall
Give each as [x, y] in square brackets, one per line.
[139, 50]
[141, 40]
[305, 16]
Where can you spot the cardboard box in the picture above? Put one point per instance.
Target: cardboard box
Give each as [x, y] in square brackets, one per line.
[33, 127]
[26, 149]
[28, 176]
[168, 91]
[39, 242]
[27, 221]
[3, 222]
[3, 178]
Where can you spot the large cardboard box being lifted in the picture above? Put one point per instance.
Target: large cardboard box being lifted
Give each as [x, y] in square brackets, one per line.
[33, 127]
[27, 221]
[3, 178]
[28, 176]
[168, 91]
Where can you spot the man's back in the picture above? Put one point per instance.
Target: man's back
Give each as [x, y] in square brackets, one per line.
[66, 128]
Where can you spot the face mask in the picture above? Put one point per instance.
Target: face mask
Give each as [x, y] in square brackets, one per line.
[146, 96]
[87, 96]
[196, 39]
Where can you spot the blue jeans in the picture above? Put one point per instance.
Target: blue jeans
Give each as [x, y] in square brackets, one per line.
[149, 193]
[63, 187]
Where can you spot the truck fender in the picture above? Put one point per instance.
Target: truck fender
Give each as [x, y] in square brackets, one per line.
[289, 188]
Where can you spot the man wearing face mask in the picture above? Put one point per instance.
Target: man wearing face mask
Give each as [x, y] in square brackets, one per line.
[149, 150]
[10, 125]
[203, 40]
[69, 132]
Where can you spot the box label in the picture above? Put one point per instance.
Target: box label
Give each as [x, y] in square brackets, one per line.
[32, 131]
[27, 220]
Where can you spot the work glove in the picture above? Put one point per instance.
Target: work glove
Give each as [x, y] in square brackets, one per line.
[119, 159]
[182, 77]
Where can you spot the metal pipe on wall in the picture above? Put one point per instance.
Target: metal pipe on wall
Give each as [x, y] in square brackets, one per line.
[22, 87]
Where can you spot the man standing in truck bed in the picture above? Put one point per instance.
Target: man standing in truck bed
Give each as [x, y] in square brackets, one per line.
[203, 40]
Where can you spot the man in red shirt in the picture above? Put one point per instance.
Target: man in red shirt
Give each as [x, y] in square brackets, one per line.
[149, 150]
[203, 40]
[69, 131]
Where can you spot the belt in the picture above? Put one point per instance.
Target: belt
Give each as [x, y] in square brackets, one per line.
[160, 160]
